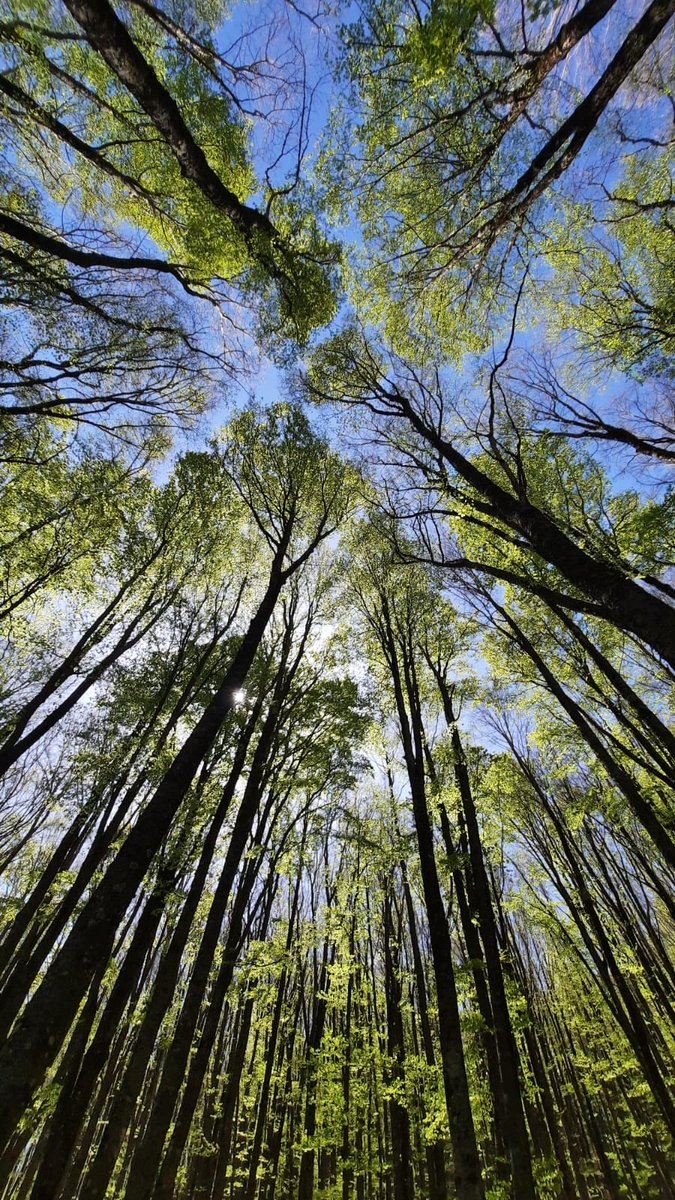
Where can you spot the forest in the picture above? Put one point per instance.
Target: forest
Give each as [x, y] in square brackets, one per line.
[337, 660]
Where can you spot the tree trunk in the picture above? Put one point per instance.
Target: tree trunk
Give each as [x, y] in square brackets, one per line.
[40, 1031]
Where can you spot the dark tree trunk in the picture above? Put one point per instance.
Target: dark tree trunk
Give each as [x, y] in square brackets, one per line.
[149, 1150]
[509, 1064]
[466, 1161]
[74, 1099]
[436, 1152]
[623, 602]
[642, 808]
[403, 1184]
[40, 1031]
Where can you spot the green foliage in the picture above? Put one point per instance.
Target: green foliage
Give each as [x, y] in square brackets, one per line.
[412, 646]
[434, 44]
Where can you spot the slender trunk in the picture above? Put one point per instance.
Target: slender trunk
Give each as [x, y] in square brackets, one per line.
[263, 1098]
[436, 1156]
[39, 1033]
[162, 994]
[68, 666]
[137, 628]
[73, 1101]
[643, 810]
[149, 1150]
[626, 604]
[306, 1178]
[399, 1119]
[31, 962]
[34, 951]
[466, 1161]
[199, 1058]
[509, 1065]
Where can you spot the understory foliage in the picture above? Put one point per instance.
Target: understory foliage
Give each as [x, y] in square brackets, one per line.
[337, 637]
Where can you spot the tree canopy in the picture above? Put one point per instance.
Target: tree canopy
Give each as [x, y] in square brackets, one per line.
[337, 764]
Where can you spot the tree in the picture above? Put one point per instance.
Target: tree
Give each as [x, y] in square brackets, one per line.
[302, 496]
[336, 767]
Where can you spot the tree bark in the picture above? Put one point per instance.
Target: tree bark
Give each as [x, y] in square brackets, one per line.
[625, 603]
[40, 1031]
[466, 1161]
[107, 34]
